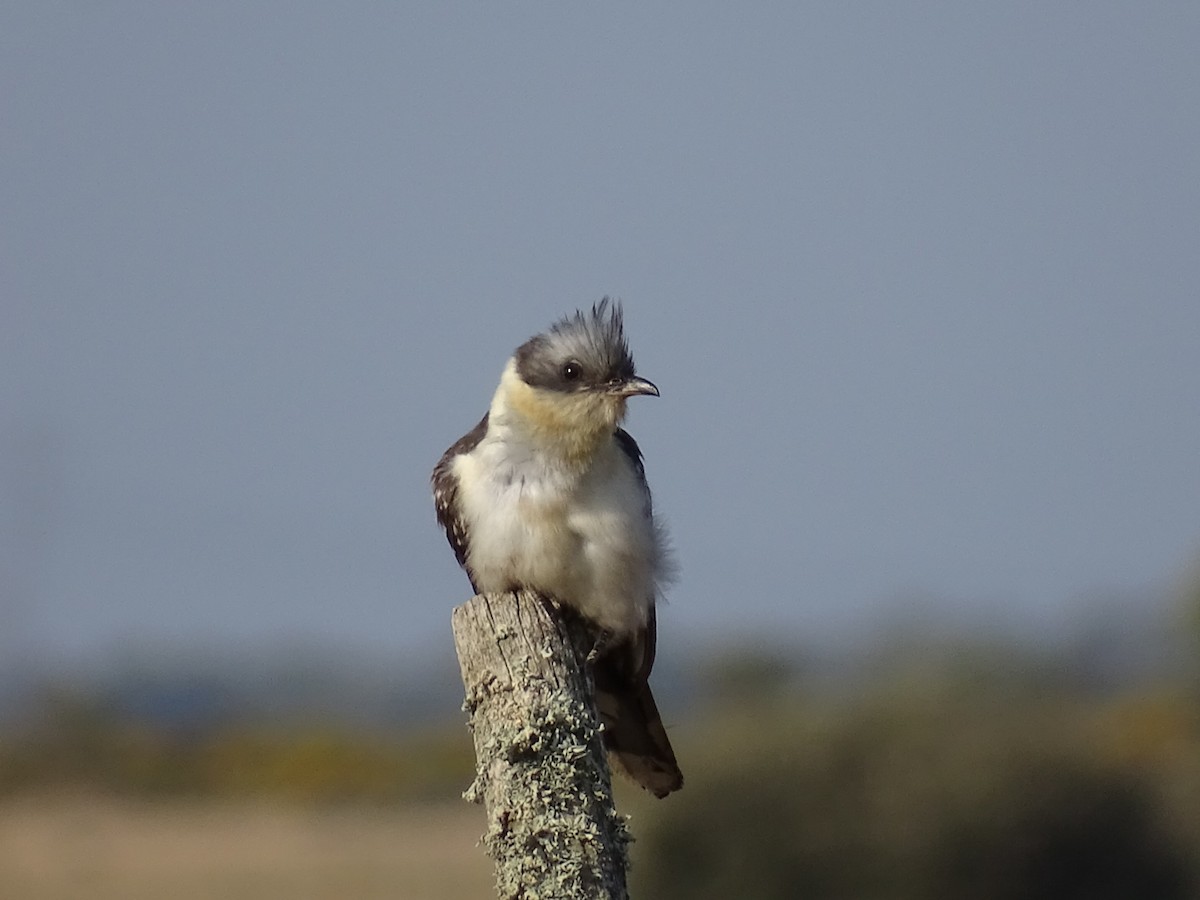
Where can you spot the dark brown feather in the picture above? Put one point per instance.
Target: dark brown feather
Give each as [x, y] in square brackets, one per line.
[633, 728]
[445, 495]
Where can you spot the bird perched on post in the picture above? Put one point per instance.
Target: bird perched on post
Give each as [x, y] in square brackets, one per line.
[548, 494]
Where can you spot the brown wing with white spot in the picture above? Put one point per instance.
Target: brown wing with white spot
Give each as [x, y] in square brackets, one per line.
[445, 495]
[634, 454]
[633, 729]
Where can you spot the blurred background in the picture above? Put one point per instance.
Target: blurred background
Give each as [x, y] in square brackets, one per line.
[918, 283]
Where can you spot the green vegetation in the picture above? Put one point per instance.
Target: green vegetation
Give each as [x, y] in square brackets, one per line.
[984, 770]
[973, 779]
[78, 744]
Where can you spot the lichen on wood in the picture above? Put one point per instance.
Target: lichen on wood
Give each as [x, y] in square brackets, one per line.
[541, 768]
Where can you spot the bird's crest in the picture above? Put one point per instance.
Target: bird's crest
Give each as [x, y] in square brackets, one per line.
[595, 340]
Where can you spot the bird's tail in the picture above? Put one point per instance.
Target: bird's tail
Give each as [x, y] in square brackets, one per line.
[633, 730]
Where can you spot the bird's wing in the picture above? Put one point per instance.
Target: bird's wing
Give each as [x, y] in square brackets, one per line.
[445, 494]
[633, 727]
[634, 454]
[639, 649]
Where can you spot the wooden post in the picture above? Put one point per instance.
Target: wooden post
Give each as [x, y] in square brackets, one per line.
[541, 768]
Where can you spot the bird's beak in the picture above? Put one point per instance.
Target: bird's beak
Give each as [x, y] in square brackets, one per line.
[632, 386]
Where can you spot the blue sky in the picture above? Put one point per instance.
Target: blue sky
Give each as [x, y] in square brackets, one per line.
[918, 283]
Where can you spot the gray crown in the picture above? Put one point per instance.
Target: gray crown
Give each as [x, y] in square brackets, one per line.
[579, 352]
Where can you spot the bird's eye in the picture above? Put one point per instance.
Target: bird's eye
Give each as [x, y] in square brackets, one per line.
[571, 371]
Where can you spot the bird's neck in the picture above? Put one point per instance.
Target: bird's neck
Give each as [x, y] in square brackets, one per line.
[566, 430]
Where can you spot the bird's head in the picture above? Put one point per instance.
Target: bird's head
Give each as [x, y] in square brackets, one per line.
[569, 384]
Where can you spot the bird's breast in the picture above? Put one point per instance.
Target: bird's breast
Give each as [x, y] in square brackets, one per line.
[583, 538]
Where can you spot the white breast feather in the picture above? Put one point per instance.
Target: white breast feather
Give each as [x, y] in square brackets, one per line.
[583, 538]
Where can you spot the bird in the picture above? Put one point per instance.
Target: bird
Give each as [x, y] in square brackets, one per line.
[548, 493]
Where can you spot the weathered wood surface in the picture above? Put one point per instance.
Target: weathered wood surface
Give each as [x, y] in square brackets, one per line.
[541, 769]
